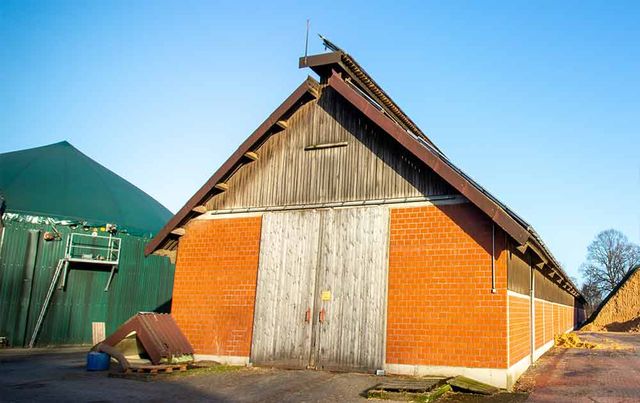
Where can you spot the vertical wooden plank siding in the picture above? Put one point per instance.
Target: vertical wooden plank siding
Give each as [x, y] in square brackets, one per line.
[549, 290]
[331, 261]
[354, 271]
[286, 283]
[371, 166]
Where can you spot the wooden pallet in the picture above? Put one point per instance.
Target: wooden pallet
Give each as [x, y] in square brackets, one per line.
[156, 369]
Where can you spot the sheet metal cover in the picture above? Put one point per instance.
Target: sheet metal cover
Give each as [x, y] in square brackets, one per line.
[159, 334]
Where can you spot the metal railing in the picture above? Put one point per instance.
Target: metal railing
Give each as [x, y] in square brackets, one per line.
[93, 249]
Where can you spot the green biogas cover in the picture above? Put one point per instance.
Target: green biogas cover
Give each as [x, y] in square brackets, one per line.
[59, 181]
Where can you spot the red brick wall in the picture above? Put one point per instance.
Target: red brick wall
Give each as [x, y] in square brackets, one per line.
[539, 318]
[548, 322]
[519, 328]
[550, 319]
[440, 307]
[215, 284]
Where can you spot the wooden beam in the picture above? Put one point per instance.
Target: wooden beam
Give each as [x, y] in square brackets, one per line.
[291, 104]
[282, 124]
[522, 248]
[314, 92]
[538, 252]
[326, 145]
[251, 155]
[222, 186]
[199, 209]
[179, 231]
[171, 254]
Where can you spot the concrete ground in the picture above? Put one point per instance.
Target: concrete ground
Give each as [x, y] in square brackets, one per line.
[575, 375]
[610, 374]
[61, 376]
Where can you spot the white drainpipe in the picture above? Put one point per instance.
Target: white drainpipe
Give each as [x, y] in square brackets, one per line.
[532, 318]
[493, 258]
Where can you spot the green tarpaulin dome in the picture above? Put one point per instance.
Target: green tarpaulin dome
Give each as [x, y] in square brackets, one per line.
[59, 181]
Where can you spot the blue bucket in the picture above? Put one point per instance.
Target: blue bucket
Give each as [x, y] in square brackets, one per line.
[97, 361]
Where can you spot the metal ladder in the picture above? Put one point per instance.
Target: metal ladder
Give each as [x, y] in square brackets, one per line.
[62, 263]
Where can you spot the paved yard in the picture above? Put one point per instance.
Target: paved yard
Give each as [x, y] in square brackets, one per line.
[562, 375]
[579, 375]
[61, 377]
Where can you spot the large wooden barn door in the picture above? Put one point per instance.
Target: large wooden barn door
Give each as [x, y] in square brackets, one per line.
[351, 290]
[286, 285]
[321, 295]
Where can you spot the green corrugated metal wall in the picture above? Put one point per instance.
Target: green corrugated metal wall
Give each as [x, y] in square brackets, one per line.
[140, 284]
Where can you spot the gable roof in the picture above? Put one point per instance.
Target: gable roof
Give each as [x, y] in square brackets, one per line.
[59, 181]
[354, 85]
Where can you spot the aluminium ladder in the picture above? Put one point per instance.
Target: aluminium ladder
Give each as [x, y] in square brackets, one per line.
[62, 263]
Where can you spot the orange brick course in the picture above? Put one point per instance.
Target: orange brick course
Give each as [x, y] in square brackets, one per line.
[539, 321]
[440, 307]
[550, 320]
[519, 329]
[215, 284]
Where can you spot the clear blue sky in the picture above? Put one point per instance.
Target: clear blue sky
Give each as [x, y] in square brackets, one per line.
[538, 101]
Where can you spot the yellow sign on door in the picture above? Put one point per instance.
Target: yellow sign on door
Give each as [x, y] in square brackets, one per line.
[326, 295]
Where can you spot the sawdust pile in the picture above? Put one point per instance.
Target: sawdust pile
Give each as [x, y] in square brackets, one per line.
[571, 340]
[621, 313]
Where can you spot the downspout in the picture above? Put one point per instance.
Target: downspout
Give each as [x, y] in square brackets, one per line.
[532, 310]
[493, 258]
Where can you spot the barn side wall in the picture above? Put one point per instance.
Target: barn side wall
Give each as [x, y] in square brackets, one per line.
[442, 316]
[215, 285]
[534, 322]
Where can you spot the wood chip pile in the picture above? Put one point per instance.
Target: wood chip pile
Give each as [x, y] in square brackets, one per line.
[620, 312]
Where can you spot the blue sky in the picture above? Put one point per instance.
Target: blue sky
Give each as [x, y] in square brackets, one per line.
[538, 101]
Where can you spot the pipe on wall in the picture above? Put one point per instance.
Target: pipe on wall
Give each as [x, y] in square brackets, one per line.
[532, 309]
[493, 258]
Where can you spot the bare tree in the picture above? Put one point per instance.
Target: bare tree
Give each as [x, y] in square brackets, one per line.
[593, 295]
[609, 257]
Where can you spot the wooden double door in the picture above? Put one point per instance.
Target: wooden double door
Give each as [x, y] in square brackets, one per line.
[321, 294]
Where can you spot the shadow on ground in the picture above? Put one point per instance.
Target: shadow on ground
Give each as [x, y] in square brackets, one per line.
[60, 375]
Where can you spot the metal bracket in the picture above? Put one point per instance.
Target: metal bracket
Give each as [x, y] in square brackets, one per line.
[65, 272]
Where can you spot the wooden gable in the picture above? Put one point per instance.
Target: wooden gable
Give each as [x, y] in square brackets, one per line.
[328, 152]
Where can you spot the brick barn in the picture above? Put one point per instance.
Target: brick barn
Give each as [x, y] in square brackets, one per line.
[338, 236]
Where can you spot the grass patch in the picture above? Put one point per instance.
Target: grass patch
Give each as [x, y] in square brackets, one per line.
[209, 370]
[426, 397]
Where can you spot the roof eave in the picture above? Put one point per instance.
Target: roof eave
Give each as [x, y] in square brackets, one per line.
[513, 225]
[305, 91]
